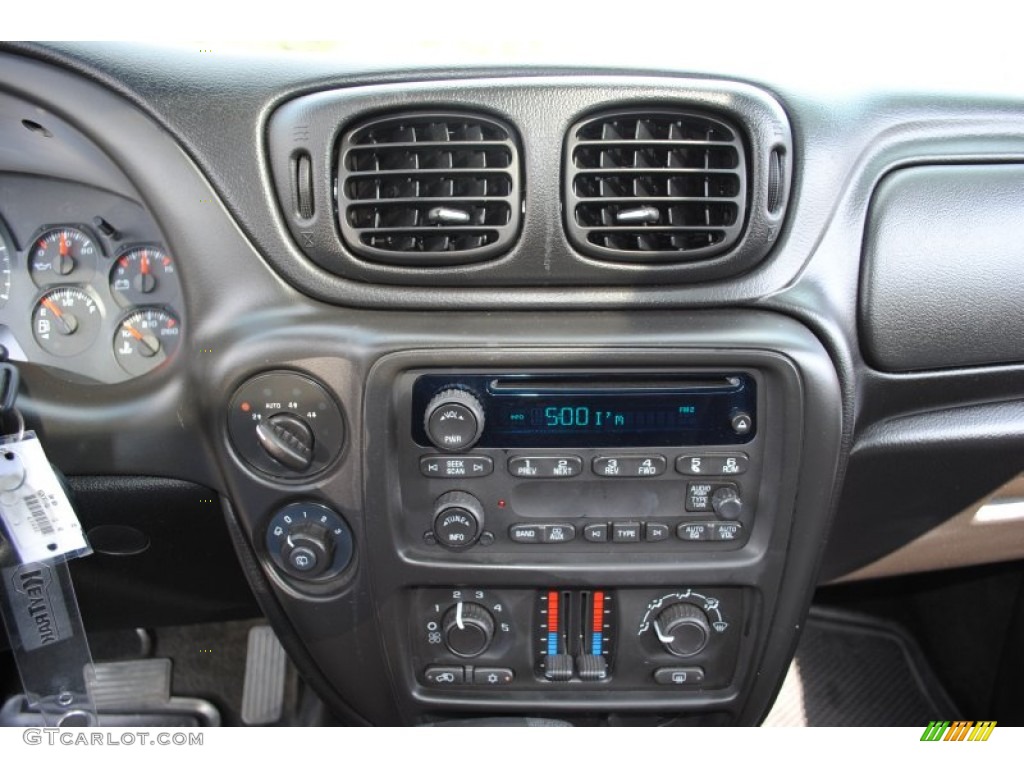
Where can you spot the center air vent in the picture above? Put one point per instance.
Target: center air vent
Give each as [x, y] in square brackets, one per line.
[657, 186]
[429, 189]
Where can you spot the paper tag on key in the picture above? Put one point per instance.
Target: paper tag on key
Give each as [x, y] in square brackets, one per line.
[37, 517]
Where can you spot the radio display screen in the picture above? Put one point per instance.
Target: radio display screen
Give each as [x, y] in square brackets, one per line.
[553, 412]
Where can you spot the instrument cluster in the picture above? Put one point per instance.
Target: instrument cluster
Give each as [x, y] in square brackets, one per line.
[95, 296]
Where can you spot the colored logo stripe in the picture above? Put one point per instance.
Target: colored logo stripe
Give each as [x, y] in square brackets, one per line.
[935, 730]
[958, 730]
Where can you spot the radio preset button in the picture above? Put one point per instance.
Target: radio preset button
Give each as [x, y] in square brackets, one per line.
[545, 467]
[456, 466]
[597, 532]
[629, 466]
[655, 532]
[713, 464]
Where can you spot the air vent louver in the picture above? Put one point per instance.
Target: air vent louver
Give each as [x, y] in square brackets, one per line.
[657, 186]
[429, 189]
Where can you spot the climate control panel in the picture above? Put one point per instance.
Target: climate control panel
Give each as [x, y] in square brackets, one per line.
[572, 639]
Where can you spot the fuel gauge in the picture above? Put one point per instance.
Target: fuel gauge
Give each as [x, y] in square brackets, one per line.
[66, 321]
[145, 339]
[143, 275]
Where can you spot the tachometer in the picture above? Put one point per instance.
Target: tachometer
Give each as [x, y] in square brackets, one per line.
[145, 339]
[66, 321]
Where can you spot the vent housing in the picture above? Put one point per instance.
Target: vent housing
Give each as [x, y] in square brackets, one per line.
[429, 189]
[655, 186]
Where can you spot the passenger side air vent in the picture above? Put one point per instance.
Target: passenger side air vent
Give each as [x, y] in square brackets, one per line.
[429, 189]
[660, 186]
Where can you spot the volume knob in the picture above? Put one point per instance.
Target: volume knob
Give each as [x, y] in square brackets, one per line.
[454, 420]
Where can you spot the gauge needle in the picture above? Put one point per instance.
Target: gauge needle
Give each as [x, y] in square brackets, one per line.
[67, 324]
[146, 280]
[64, 263]
[148, 345]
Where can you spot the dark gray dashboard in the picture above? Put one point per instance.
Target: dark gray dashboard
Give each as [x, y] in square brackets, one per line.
[190, 148]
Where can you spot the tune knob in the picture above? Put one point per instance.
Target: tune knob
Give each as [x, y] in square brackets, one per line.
[458, 519]
[468, 629]
[727, 503]
[683, 629]
[454, 420]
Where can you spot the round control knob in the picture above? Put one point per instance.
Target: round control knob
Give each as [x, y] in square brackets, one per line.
[683, 629]
[458, 519]
[727, 503]
[287, 439]
[454, 420]
[307, 550]
[468, 629]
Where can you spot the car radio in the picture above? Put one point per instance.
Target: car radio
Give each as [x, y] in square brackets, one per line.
[582, 460]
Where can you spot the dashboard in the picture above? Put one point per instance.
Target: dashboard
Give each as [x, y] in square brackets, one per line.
[520, 390]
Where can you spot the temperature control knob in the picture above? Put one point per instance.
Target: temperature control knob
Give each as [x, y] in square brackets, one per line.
[683, 629]
[454, 420]
[458, 519]
[468, 629]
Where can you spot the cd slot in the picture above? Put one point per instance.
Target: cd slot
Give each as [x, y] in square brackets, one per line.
[598, 383]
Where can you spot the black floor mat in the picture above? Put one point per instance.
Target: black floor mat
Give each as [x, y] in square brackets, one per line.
[852, 670]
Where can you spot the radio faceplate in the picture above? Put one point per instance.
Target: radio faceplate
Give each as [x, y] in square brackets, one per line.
[584, 461]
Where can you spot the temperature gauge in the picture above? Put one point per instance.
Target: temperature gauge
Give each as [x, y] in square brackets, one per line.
[61, 254]
[66, 321]
[143, 275]
[145, 339]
